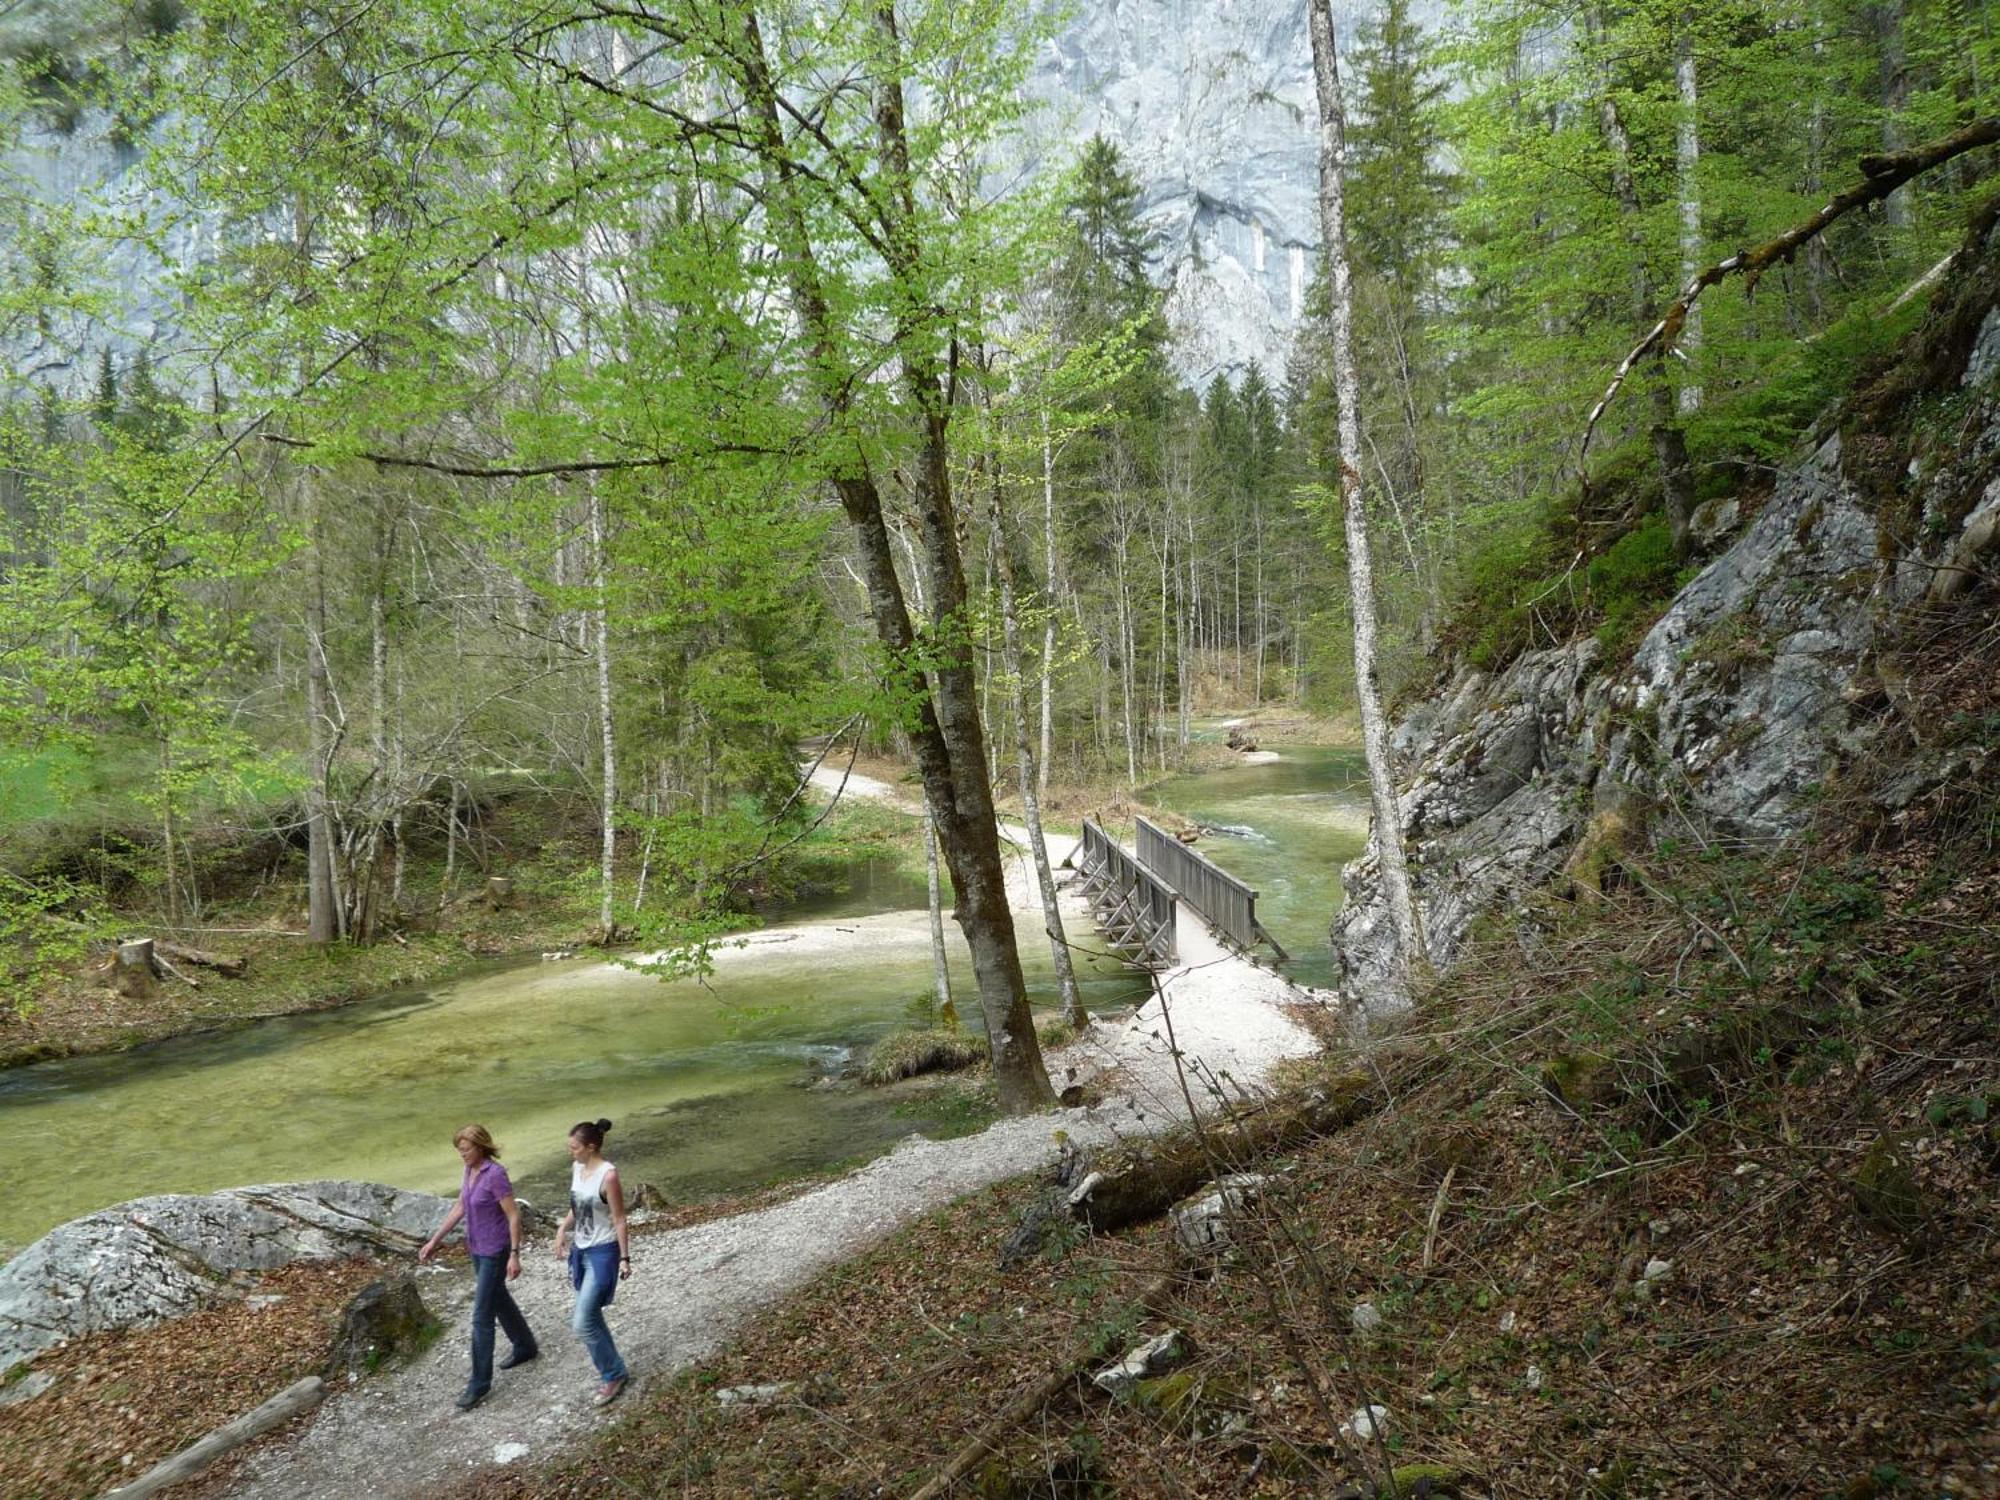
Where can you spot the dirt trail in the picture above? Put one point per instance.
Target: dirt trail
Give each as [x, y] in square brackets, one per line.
[399, 1435]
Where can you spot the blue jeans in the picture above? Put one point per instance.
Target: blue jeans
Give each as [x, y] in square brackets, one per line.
[491, 1299]
[594, 1274]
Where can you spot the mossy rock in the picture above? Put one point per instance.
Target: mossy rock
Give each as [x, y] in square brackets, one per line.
[1885, 1186]
[1414, 1481]
[1582, 1080]
[1071, 1477]
[1191, 1398]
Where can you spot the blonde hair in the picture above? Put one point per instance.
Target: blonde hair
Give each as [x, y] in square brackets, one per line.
[480, 1137]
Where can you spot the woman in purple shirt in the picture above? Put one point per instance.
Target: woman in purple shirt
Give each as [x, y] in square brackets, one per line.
[493, 1236]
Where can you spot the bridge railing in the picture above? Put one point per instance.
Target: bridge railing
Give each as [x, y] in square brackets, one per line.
[1229, 905]
[1135, 906]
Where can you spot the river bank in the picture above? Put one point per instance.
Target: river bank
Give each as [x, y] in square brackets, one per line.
[79, 1015]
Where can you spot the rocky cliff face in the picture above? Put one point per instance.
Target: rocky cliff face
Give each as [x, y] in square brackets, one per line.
[1762, 678]
[1210, 103]
[1212, 108]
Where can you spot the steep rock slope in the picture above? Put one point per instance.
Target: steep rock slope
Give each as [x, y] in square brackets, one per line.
[1771, 669]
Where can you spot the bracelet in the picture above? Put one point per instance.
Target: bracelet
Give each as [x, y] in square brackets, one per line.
[625, 1260]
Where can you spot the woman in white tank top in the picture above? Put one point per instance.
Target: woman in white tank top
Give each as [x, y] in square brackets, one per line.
[592, 1236]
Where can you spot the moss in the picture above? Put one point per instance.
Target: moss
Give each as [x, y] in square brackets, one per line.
[1582, 1080]
[1885, 1187]
[1410, 1480]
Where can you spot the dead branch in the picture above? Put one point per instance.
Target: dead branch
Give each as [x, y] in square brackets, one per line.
[1881, 176]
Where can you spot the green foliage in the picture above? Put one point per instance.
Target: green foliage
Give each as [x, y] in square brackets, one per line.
[1632, 581]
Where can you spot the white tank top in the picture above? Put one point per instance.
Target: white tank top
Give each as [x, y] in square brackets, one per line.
[591, 1224]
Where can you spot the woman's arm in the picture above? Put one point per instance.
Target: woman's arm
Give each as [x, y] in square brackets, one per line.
[614, 1194]
[513, 1212]
[451, 1219]
[562, 1231]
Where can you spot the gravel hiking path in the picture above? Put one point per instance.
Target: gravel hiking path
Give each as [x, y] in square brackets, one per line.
[399, 1434]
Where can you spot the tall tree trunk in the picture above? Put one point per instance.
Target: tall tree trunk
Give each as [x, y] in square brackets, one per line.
[1669, 443]
[601, 610]
[1687, 158]
[947, 736]
[1049, 625]
[940, 957]
[1900, 208]
[1031, 802]
[322, 918]
[1409, 955]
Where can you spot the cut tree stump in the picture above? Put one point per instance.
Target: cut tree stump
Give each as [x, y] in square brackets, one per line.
[135, 969]
[499, 891]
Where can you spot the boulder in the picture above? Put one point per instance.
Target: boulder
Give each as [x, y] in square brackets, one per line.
[385, 1321]
[1142, 1362]
[162, 1257]
[1201, 1223]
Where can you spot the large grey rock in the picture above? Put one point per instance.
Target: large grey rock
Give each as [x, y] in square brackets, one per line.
[1755, 683]
[162, 1257]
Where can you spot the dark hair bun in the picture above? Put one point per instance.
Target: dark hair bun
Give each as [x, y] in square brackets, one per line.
[603, 1127]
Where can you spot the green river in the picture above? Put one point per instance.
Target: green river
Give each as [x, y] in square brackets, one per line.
[706, 1081]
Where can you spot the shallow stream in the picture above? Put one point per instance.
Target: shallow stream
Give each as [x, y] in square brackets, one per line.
[708, 1082]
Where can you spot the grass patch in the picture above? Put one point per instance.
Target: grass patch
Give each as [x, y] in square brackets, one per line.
[911, 1054]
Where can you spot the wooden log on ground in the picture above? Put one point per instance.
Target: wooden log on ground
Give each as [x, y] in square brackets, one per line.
[135, 970]
[1143, 1180]
[230, 965]
[190, 1461]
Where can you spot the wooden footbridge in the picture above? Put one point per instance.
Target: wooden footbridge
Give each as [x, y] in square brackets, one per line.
[1137, 897]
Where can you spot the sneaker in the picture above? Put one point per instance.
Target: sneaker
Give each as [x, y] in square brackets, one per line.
[519, 1357]
[609, 1392]
[470, 1399]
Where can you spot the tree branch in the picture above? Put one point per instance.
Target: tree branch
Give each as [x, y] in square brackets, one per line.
[1881, 176]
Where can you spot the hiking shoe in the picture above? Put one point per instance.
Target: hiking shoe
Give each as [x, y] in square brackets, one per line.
[519, 1357]
[609, 1392]
[470, 1399]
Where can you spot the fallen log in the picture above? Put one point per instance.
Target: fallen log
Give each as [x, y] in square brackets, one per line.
[1143, 1180]
[190, 1461]
[230, 965]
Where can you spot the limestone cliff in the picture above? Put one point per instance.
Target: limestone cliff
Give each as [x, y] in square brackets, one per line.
[1771, 670]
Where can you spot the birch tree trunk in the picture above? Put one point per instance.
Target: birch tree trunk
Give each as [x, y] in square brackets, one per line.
[1049, 625]
[1360, 572]
[605, 922]
[940, 958]
[1031, 802]
[1669, 443]
[1687, 158]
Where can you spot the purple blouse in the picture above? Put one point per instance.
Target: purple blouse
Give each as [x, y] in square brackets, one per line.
[485, 1220]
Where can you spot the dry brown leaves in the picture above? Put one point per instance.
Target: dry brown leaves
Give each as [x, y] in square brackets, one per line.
[124, 1401]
